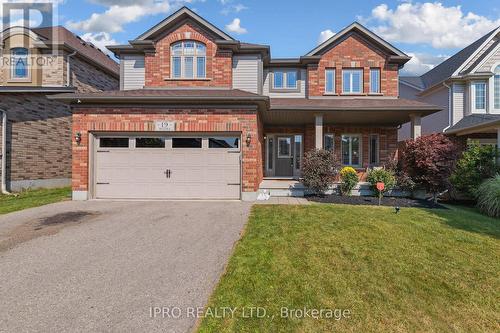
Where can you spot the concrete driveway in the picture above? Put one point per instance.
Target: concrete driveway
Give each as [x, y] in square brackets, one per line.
[100, 266]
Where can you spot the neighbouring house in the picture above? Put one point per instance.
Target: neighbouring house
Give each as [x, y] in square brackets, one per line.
[201, 115]
[467, 87]
[36, 149]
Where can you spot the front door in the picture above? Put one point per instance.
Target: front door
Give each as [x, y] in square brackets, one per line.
[284, 156]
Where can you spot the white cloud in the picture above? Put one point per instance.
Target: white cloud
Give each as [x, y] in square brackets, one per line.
[233, 9]
[235, 26]
[100, 40]
[120, 13]
[421, 63]
[325, 35]
[431, 23]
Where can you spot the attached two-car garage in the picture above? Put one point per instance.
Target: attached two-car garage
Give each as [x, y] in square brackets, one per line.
[184, 166]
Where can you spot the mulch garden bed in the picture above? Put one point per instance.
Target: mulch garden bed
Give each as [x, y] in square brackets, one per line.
[373, 201]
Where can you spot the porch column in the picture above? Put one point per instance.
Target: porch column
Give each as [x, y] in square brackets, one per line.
[319, 131]
[416, 126]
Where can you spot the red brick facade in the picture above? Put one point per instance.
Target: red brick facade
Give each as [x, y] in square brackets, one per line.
[218, 62]
[353, 52]
[192, 120]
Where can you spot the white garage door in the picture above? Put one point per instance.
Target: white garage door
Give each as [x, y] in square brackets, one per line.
[175, 167]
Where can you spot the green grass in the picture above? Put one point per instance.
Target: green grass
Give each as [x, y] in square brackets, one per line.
[32, 198]
[419, 271]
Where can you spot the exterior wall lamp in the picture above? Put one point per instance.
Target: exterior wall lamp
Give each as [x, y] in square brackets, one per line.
[248, 139]
[78, 138]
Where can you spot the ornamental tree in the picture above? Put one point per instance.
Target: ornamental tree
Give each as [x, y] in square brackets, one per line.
[319, 169]
[430, 161]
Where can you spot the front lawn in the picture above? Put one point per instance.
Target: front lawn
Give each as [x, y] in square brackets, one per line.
[419, 271]
[32, 198]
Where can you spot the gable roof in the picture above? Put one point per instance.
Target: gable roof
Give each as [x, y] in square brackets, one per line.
[412, 81]
[87, 50]
[180, 15]
[445, 70]
[359, 28]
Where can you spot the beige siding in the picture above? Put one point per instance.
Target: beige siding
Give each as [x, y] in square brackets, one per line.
[133, 72]
[246, 74]
[458, 102]
[479, 55]
[493, 60]
[301, 83]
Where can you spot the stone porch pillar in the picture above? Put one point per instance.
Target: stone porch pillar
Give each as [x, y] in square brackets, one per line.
[416, 126]
[319, 131]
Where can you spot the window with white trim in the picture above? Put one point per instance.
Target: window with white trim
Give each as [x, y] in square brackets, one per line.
[352, 81]
[374, 149]
[374, 80]
[19, 63]
[285, 79]
[496, 88]
[189, 60]
[330, 81]
[329, 142]
[351, 149]
[479, 96]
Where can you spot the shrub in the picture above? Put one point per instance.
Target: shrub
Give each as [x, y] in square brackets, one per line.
[403, 180]
[381, 175]
[319, 170]
[348, 180]
[430, 161]
[475, 166]
[488, 197]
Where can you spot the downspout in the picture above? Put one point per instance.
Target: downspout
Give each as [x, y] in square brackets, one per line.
[450, 107]
[4, 153]
[68, 68]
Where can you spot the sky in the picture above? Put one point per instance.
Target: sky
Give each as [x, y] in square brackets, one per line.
[428, 31]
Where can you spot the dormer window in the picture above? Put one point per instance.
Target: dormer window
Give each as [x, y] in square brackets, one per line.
[189, 60]
[285, 79]
[19, 65]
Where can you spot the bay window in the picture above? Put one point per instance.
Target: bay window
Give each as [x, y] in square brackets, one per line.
[351, 150]
[479, 96]
[188, 60]
[352, 81]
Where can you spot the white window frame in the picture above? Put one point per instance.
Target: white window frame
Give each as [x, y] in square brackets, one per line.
[332, 70]
[496, 75]
[330, 135]
[473, 96]
[289, 144]
[13, 58]
[195, 55]
[351, 71]
[360, 137]
[285, 79]
[375, 70]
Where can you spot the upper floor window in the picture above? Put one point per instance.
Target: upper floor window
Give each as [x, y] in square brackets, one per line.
[285, 79]
[330, 81]
[375, 80]
[479, 93]
[352, 81]
[19, 63]
[189, 60]
[496, 90]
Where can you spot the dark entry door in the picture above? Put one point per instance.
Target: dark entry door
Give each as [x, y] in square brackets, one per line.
[284, 156]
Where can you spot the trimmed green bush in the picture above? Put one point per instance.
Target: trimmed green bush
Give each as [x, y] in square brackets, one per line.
[475, 166]
[488, 197]
[381, 175]
[348, 180]
[319, 170]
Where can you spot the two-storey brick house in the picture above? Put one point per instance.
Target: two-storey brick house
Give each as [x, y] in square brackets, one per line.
[36, 131]
[202, 115]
